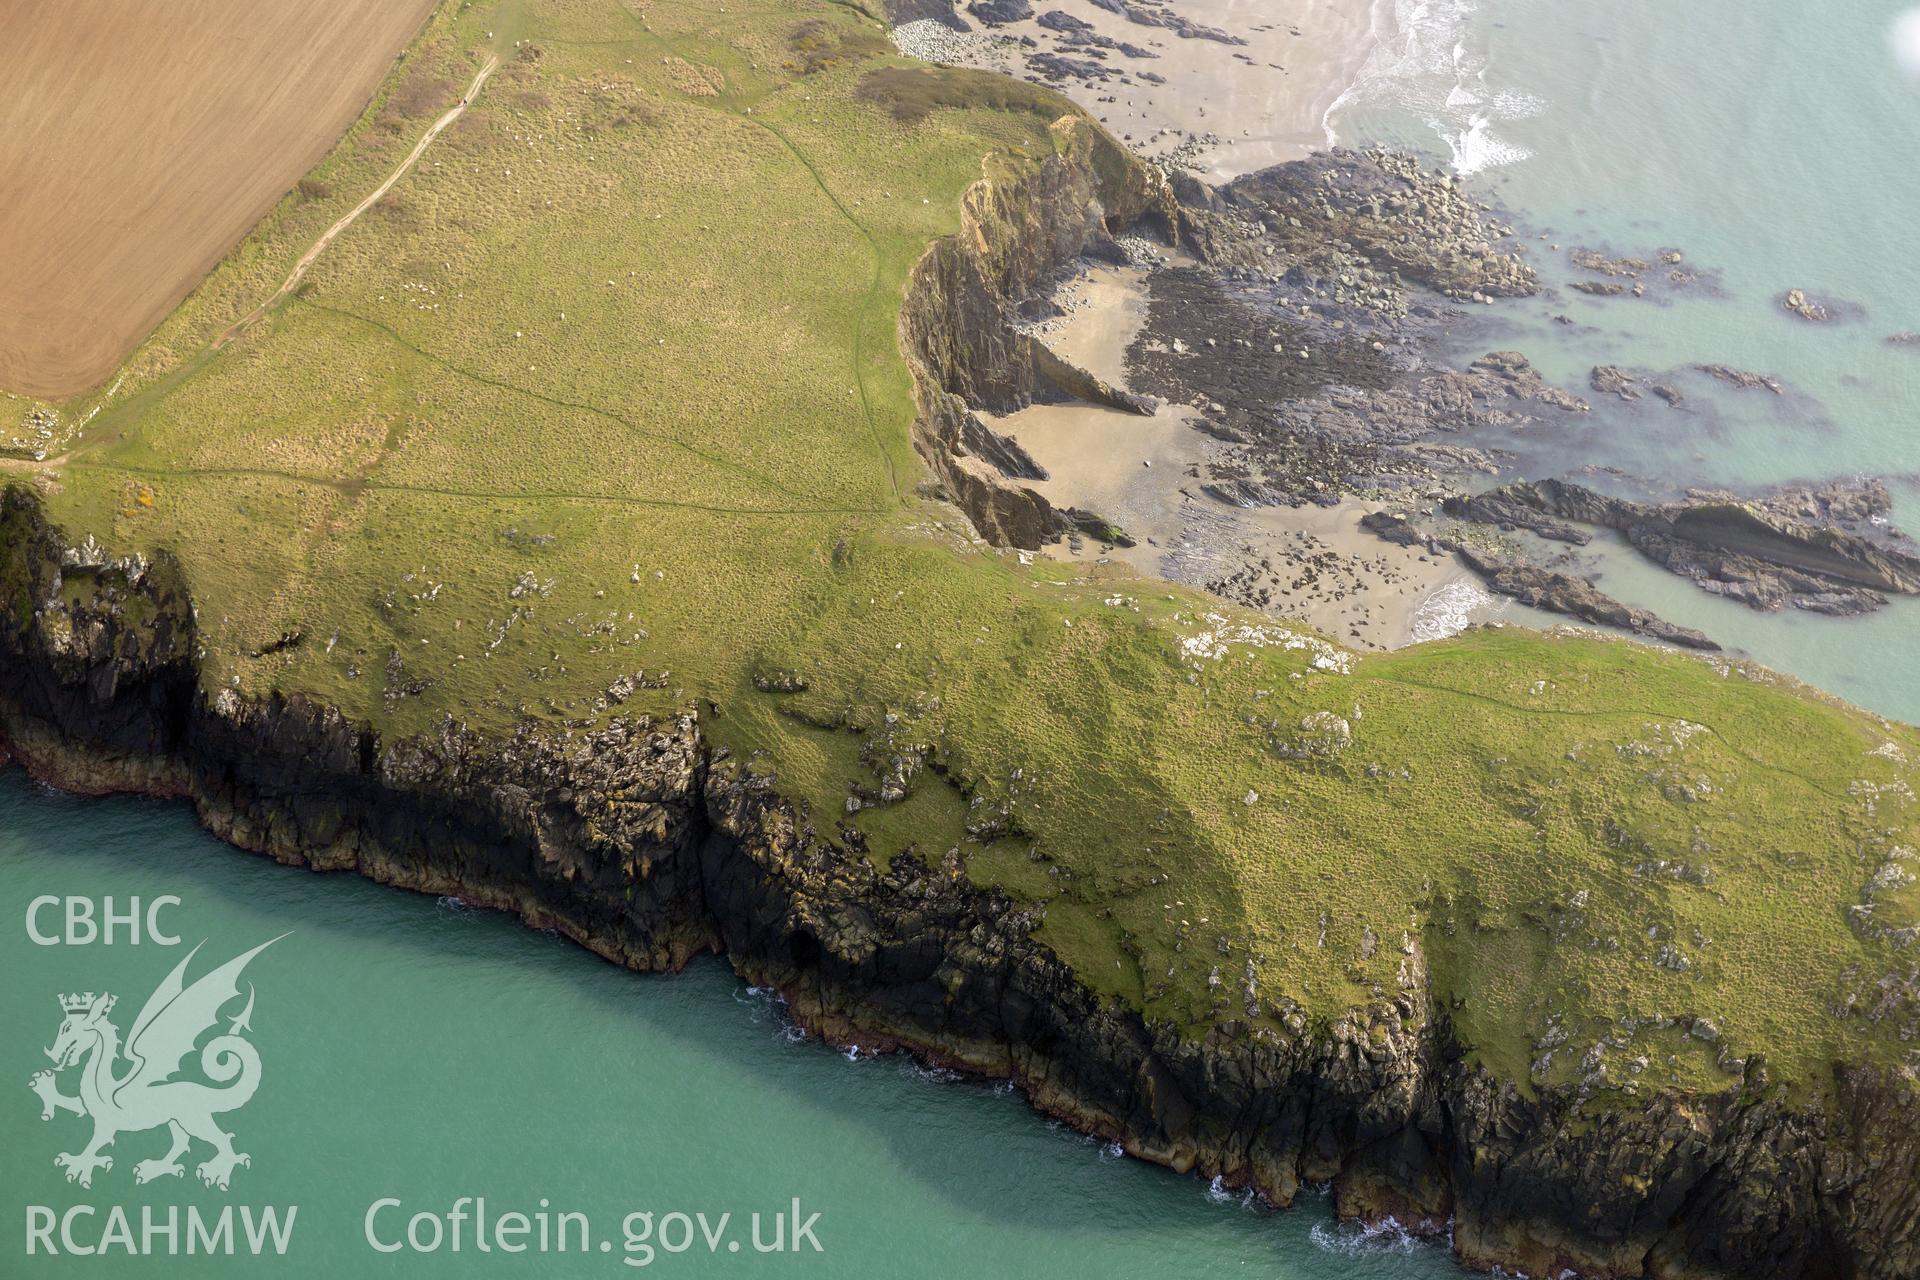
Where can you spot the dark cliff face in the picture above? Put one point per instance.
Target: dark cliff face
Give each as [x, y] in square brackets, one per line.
[85, 641]
[956, 325]
[593, 834]
[644, 844]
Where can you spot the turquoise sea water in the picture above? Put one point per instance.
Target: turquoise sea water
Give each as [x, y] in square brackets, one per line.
[416, 1051]
[1776, 146]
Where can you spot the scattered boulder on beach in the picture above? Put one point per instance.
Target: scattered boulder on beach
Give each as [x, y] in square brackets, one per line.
[1062, 21]
[1078, 36]
[997, 13]
[1148, 14]
[1056, 67]
[1397, 529]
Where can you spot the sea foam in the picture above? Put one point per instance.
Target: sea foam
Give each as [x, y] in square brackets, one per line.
[1425, 62]
[1447, 611]
[1355, 1239]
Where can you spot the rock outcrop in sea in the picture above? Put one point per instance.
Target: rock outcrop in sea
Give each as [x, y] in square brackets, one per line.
[1824, 549]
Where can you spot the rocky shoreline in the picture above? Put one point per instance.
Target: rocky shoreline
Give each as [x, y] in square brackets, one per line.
[1301, 329]
[645, 843]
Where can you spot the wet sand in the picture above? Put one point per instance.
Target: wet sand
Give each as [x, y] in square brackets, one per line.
[1311, 563]
[1223, 109]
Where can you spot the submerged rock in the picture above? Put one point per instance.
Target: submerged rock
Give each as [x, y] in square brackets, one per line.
[1611, 380]
[1742, 379]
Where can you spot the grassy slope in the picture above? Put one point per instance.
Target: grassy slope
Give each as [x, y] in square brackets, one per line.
[626, 338]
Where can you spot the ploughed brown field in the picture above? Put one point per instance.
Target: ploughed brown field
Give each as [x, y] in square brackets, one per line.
[139, 141]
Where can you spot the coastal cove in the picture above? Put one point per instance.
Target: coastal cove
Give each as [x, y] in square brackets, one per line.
[481, 1058]
[1667, 221]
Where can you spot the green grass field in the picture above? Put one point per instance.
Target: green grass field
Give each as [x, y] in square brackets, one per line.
[609, 385]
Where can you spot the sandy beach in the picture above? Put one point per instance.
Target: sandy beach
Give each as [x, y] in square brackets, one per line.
[1216, 108]
[1145, 474]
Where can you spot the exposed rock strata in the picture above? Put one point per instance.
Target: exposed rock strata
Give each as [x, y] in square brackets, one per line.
[1496, 508]
[1576, 597]
[1363, 218]
[1812, 548]
[957, 328]
[645, 844]
[1532, 585]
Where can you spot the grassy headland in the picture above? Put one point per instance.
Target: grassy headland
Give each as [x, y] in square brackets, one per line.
[608, 386]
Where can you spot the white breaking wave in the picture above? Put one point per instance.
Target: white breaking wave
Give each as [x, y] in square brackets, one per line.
[1481, 148]
[1423, 63]
[1352, 1238]
[1220, 1193]
[929, 1074]
[1447, 611]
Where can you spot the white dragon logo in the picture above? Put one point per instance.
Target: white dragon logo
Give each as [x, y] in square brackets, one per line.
[146, 1096]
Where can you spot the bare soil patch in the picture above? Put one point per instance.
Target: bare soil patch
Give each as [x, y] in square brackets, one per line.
[142, 141]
